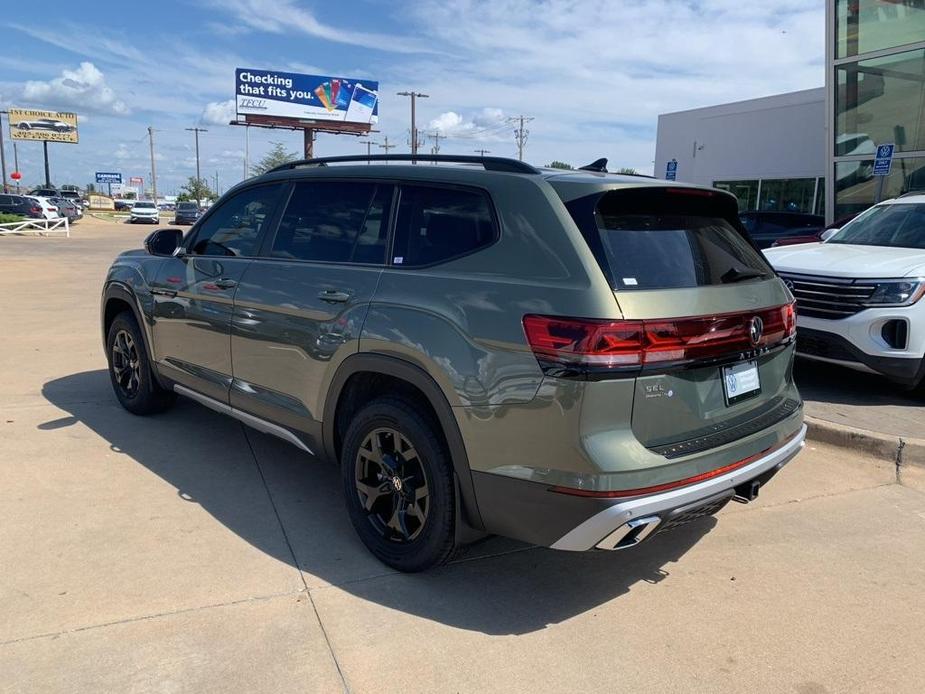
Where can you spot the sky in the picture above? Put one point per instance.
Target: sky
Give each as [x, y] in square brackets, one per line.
[594, 75]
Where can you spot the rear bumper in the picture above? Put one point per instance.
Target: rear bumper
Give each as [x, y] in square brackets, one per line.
[529, 511]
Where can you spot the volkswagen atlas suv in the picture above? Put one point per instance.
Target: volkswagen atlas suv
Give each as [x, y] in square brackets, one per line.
[574, 359]
[859, 293]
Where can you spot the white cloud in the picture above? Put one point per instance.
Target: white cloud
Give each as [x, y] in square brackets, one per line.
[82, 89]
[286, 16]
[219, 112]
[487, 124]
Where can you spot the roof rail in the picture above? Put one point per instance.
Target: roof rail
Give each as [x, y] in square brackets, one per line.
[490, 163]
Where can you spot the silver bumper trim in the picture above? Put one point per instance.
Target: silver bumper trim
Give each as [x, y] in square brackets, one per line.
[603, 524]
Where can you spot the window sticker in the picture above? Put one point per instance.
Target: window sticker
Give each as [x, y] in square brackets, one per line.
[398, 260]
[630, 281]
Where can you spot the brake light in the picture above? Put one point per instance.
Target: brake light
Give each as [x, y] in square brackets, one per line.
[632, 344]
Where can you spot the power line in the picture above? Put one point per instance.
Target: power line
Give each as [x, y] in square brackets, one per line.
[521, 134]
[414, 133]
[387, 146]
[482, 152]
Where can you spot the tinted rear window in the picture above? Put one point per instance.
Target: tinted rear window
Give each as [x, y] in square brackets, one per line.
[676, 245]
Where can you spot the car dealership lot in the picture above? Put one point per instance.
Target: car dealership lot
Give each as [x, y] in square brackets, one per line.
[187, 553]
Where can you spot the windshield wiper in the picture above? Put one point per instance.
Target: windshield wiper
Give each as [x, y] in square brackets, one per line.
[734, 274]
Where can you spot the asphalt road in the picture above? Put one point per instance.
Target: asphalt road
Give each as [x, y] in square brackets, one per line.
[186, 553]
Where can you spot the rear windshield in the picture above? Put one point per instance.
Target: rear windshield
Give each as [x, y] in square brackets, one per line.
[187, 206]
[674, 245]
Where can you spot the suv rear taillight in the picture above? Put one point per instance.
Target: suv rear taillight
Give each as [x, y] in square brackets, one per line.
[572, 346]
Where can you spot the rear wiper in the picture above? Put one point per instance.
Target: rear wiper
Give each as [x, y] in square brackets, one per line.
[734, 274]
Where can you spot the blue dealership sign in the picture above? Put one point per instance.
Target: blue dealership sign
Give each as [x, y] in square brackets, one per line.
[305, 97]
[884, 161]
[108, 177]
[671, 170]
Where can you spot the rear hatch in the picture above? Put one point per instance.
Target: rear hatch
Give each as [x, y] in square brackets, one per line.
[707, 327]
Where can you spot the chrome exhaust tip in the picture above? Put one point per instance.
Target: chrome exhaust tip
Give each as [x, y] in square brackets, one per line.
[630, 534]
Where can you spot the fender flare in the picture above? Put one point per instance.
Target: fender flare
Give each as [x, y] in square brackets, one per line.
[420, 379]
[118, 290]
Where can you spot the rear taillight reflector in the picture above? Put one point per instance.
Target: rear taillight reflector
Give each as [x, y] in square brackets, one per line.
[633, 344]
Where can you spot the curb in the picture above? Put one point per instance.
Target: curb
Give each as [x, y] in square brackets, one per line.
[896, 449]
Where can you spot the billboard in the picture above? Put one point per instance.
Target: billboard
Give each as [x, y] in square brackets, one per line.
[135, 180]
[54, 126]
[274, 94]
[108, 177]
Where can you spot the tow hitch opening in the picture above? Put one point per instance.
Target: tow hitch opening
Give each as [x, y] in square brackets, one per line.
[747, 492]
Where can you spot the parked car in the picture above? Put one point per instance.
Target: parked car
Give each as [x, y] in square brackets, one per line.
[49, 209]
[765, 228]
[70, 194]
[21, 205]
[123, 205]
[66, 208]
[49, 124]
[858, 294]
[815, 237]
[145, 211]
[186, 213]
[571, 358]
[45, 192]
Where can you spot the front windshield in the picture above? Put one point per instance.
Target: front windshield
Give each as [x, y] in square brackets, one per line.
[900, 225]
[143, 205]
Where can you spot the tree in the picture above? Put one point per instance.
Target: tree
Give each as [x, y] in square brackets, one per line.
[556, 164]
[196, 189]
[277, 156]
[627, 170]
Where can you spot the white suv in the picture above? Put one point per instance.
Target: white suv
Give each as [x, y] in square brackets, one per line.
[145, 211]
[858, 293]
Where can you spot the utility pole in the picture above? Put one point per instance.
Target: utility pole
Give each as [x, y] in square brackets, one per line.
[215, 187]
[6, 188]
[16, 164]
[435, 136]
[369, 147]
[247, 150]
[521, 134]
[387, 146]
[482, 152]
[153, 165]
[414, 133]
[197, 131]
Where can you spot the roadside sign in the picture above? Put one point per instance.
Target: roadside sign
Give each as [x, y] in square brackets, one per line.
[884, 161]
[135, 180]
[50, 126]
[671, 170]
[108, 177]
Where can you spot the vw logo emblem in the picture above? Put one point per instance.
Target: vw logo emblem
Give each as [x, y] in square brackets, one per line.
[789, 284]
[756, 330]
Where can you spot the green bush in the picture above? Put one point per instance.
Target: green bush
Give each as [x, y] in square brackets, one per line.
[7, 218]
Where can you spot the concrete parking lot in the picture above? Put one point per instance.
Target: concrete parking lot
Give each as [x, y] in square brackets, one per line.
[186, 553]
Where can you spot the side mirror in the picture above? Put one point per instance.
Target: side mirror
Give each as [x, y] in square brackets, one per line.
[828, 233]
[163, 242]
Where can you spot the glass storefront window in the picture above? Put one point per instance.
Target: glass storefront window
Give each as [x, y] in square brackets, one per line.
[745, 191]
[820, 198]
[880, 100]
[787, 195]
[862, 26]
[856, 186]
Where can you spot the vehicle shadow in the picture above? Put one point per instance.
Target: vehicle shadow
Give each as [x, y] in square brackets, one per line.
[290, 507]
[840, 385]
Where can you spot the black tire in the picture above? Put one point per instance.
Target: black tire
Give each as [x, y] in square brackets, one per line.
[133, 381]
[413, 543]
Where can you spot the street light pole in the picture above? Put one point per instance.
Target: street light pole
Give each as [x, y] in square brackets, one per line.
[414, 131]
[153, 165]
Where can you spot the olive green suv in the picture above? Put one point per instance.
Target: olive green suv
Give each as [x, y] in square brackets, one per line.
[575, 359]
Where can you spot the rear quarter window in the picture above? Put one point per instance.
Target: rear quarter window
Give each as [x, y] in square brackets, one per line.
[435, 225]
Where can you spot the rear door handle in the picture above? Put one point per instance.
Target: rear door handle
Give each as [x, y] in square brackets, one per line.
[225, 284]
[333, 296]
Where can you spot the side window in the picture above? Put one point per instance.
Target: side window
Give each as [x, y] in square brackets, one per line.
[335, 222]
[6, 201]
[234, 228]
[436, 224]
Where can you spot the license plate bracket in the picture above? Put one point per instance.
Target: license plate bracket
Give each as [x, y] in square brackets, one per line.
[741, 381]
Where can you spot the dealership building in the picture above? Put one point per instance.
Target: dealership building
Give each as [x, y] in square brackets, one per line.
[813, 150]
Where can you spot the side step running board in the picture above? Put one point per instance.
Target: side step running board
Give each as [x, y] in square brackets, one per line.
[248, 419]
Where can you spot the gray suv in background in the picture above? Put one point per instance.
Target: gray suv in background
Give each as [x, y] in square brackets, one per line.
[575, 359]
